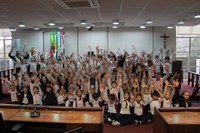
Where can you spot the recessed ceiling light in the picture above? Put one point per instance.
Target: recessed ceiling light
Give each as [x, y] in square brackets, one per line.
[12, 29]
[142, 26]
[60, 27]
[88, 26]
[197, 16]
[114, 27]
[182, 21]
[22, 25]
[115, 22]
[51, 24]
[149, 21]
[170, 27]
[83, 22]
[36, 28]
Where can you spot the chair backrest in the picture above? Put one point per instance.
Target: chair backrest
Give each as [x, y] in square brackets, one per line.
[2, 126]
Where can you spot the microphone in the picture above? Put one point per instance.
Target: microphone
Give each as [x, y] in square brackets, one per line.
[35, 112]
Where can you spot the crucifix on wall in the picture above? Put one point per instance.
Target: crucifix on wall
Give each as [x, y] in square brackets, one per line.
[165, 39]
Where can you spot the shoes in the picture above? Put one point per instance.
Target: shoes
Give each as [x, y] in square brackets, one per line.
[115, 123]
[136, 122]
[109, 120]
[149, 121]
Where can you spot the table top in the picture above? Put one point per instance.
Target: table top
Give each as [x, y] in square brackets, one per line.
[7, 113]
[185, 117]
[59, 116]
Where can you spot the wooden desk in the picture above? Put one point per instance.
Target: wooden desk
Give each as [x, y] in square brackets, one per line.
[56, 116]
[90, 119]
[8, 111]
[177, 121]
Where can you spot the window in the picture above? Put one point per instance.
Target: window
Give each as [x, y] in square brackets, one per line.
[5, 47]
[187, 50]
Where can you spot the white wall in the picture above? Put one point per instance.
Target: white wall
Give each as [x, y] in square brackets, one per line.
[126, 38]
[96, 37]
[77, 40]
[30, 38]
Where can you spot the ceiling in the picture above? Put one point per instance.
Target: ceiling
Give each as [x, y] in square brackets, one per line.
[129, 12]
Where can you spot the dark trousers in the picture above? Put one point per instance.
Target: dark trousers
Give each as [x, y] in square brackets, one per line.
[124, 119]
[143, 118]
[112, 116]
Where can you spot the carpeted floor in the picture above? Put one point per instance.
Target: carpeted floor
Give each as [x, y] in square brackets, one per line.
[146, 128]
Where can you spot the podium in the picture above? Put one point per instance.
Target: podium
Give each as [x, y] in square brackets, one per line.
[177, 120]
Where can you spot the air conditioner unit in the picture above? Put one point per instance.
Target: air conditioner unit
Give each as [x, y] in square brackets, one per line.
[69, 4]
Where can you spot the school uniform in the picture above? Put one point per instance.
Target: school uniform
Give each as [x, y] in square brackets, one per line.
[110, 112]
[166, 103]
[26, 98]
[146, 102]
[153, 104]
[70, 100]
[60, 100]
[49, 99]
[37, 99]
[79, 102]
[17, 61]
[125, 117]
[139, 114]
[184, 103]
[14, 96]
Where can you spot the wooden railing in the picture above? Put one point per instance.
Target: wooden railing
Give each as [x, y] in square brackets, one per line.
[192, 76]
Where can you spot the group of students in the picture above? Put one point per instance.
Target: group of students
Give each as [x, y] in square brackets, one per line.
[127, 86]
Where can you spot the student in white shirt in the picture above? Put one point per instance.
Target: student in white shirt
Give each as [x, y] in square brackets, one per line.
[13, 94]
[146, 99]
[61, 97]
[125, 117]
[139, 116]
[26, 96]
[37, 97]
[96, 100]
[79, 101]
[111, 113]
[70, 96]
[166, 101]
[155, 103]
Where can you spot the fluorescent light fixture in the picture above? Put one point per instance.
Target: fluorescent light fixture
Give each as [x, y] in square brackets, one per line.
[36, 28]
[22, 25]
[197, 16]
[60, 27]
[83, 22]
[149, 21]
[114, 27]
[142, 26]
[88, 26]
[51, 24]
[115, 22]
[12, 29]
[182, 21]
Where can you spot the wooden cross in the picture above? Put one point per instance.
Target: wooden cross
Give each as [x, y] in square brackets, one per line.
[165, 39]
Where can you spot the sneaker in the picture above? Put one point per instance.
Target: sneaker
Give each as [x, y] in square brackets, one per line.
[136, 122]
[109, 120]
[149, 121]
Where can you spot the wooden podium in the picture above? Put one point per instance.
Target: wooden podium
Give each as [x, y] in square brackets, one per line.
[177, 120]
